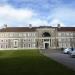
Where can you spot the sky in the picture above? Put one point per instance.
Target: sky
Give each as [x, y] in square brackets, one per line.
[37, 12]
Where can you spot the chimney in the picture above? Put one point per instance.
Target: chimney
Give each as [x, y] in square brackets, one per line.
[5, 25]
[30, 25]
[58, 25]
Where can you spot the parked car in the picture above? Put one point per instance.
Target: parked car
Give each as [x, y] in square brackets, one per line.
[72, 54]
[70, 51]
[67, 50]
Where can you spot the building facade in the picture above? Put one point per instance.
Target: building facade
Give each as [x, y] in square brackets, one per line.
[43, 37]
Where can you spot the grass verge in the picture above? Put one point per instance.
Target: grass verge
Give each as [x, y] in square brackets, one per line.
[30, 62]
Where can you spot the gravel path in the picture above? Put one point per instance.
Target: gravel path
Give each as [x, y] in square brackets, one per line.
[60, 57]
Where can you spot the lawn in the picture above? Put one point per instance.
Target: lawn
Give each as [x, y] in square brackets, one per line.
[30, 62]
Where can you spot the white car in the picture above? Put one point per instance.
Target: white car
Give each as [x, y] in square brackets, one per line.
[67, 50]
[72, 49]
[72, 54]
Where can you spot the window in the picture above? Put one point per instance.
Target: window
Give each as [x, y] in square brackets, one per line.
[6, 46]
[11, 34]
[1, 46]
[29, 45]
[33, 45]
[15, 42]
[59, 34]
[6, 34]
[64, 44]
[1, 40]
[25, 34]
[33, 40]
[29, 40]
[63, 34]
[2, 34]
[68, 40]
[24, 45]
[59, 40]
[46, 39]
[24, 40]
[5, 40]
[28, 34]
[60, 45]
[71, 34]
[67, 34]
[20, 34]
[33, 34]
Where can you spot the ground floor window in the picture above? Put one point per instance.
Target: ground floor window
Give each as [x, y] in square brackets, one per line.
[6, 46]
[24, 45]
[33, 45]
[1, 46]
[29, 45]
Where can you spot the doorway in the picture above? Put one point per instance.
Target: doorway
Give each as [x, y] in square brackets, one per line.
[46, 45]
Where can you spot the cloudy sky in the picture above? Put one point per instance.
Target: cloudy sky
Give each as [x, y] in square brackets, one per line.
[37, 12]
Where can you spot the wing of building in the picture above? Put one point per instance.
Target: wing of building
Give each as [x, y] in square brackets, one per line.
[37, 37]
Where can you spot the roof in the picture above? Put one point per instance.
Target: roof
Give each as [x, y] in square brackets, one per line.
[22, 29]
[18, 29]
[33, 29]
[66, 29]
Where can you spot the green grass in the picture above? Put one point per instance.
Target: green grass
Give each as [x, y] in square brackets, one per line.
[30, 62]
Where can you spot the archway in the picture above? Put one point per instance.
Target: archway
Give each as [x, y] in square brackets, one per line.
[46, 34]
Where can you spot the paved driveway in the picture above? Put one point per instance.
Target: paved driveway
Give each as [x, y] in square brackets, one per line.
[61, 58]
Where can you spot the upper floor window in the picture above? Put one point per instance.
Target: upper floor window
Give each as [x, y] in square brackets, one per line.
[2, 35]
[67, 34]
[24, 40]
[11, 34]
[59, 40]
[24, 34]
[20, 34]
[62, 34]
[29, 39]
[1, 40]
[71, 34]
[29, 34]
[33, 34]
[59, 34]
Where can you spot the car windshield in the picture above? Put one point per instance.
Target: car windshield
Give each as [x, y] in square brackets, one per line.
[67, 49]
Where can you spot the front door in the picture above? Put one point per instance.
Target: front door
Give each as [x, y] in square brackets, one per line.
[46, 45]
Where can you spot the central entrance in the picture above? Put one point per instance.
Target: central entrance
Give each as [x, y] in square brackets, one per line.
[46, 40]
[46, 45]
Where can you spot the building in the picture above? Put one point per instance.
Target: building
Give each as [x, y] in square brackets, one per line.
[37, 37]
